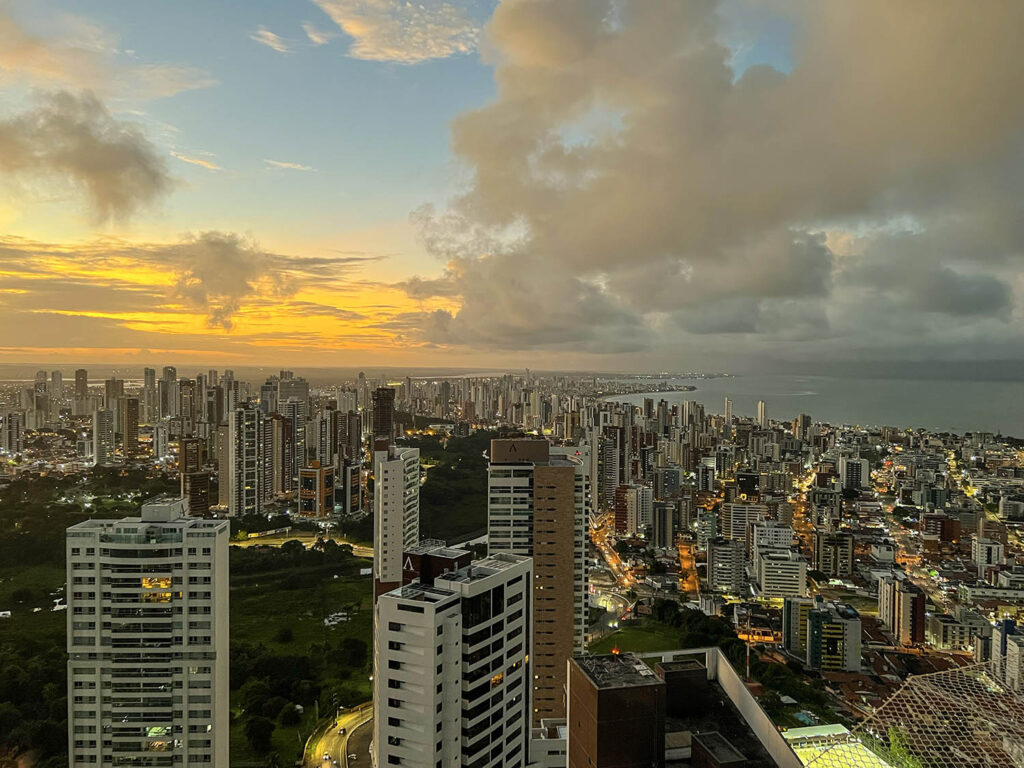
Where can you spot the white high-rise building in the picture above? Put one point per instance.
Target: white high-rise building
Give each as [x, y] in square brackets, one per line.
[147, 639]
[734, 519]
[537, 506]
[728, 413]
[103, 437]
[726, 566]
[782, 574]
[769, 536]
[853, 472]
[452, 680]
[762, 415]
[250, 465]
[986, 553]
[396, 511]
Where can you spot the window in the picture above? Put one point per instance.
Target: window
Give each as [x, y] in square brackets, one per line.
[395, 722]
[394, 760]
[394, 626]
[396, 684]
[392, 664]
[394, 645]
[395, 703]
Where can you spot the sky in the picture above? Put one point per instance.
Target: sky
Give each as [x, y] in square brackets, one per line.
[592, 184]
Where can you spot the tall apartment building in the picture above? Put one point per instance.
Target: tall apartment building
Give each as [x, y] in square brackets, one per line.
[103, 437]
[726, 566]
[854, 473]
[901, 607]
[616, 713]
[316, 491]
[250, 465]
[12, 428]
[833, 553]
[396, 511]
[147, 639]
[769, 536]
[537, 506]
[782, 574]
[383, 413]
[128, 421]
[452, 667]
[986, 553]
[833, 638]
[81, 383]
[795, 612]
[734, 519]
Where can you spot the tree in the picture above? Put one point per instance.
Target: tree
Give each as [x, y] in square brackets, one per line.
[284, 635]
[355, 650]
[258, 732]
[289, 715]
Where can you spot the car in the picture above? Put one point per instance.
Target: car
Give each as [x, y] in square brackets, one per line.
[341, 731]
[326, 757]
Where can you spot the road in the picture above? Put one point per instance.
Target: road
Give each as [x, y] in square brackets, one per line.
[599, 535]
[336, 744]
[689, 584]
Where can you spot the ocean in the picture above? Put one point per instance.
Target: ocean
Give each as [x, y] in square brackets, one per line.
[937, 405]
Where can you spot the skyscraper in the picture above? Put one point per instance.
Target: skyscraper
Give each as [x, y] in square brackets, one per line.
[12, 427]
[147, 639]
[316, 490]
[56, 385]
[762, 415]
[250, 465]
[396, 511]
[537, 507]
[452, 670]
[103, 437]
[128, 413]
[81, 383]
[383, 413]
[295, 410]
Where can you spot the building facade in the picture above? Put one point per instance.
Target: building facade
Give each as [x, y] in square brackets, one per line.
[537, 507]
[147, 639]
[452, 668]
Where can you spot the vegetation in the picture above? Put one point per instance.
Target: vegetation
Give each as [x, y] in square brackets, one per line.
[453, 500]
[35, 510]
[294, 664]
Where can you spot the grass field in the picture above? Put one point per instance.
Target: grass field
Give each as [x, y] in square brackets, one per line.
[643, 638]
[264, 609]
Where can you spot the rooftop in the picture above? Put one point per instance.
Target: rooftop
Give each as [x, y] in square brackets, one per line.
[617, 671]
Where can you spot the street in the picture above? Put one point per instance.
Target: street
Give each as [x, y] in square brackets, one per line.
[336, 744]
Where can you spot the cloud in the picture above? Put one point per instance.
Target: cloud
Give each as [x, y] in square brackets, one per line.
[86, 57]
[627, 186]
[404, 32]
[317, 36]
[289, 166]
[201, 162]
[264, 36]
[219, 275]
[69, 138]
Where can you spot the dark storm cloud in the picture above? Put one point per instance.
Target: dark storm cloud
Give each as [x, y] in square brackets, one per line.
[628, 189]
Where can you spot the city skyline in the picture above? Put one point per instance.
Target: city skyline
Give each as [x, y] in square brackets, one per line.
[571, 185]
